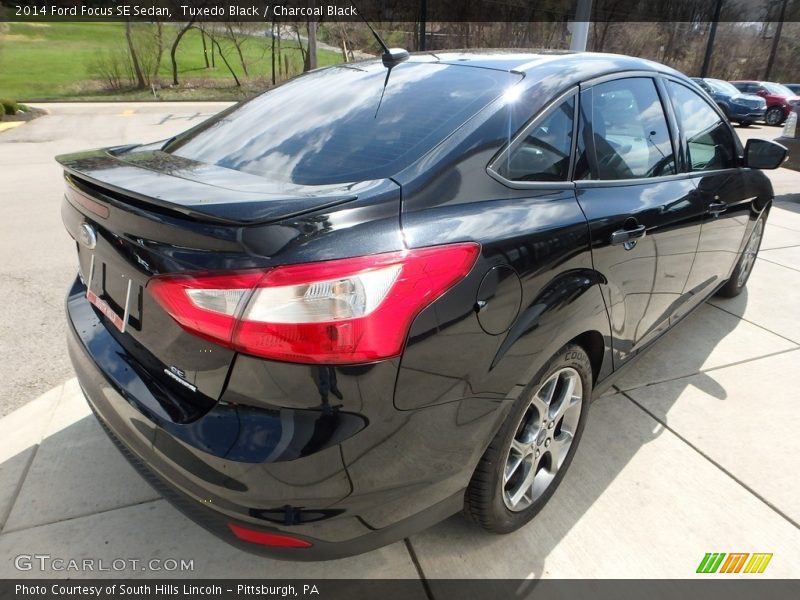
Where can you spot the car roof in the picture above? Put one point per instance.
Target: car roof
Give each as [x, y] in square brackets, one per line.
[571, 68]
[527, 61]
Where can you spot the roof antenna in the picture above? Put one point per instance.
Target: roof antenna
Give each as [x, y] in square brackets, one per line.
[391, 56]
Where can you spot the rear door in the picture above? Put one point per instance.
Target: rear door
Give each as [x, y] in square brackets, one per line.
[641, 210]
[724, 197]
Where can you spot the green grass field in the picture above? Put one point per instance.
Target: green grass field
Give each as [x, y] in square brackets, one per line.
[53, 61]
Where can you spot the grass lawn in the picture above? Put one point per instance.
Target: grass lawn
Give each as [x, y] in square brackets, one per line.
[53, 61]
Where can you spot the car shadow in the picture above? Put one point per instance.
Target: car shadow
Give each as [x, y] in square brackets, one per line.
[790, 202]
[618, 428]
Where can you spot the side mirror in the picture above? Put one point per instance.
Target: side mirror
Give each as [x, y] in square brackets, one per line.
[764, 154]
[762, 92]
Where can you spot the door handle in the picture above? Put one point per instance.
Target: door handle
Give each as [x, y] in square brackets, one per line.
[624, 236]
[716, 208]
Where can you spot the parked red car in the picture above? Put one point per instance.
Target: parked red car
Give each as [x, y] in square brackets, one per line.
[780, 99]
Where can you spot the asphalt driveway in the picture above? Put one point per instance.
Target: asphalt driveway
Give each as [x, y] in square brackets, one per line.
[695, 451]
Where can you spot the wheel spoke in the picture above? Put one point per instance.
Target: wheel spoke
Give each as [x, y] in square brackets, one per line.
[573, 405]
[566, 397]
[558, 449]
[519, 447]
[541, 406]
[512, 465]
[524, 488]
[548, 389]
[542, 481]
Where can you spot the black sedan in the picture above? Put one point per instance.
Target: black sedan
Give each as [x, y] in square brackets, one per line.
[386, 292]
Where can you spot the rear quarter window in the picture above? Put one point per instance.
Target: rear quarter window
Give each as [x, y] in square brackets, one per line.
[342, 125]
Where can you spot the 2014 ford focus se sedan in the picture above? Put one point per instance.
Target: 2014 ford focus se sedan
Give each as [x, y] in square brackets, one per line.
[374, 296]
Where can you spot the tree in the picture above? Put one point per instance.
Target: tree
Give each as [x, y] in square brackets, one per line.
[215, 43]
[311, 55]
[238, 34]
[310, 61]
[174, 49]
[272, 31]
[137, 69]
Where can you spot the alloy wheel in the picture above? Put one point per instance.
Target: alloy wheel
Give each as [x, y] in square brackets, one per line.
[773, 117]
[750, 253]
[542, 439]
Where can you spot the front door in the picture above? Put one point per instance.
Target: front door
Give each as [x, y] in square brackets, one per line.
[723, 192]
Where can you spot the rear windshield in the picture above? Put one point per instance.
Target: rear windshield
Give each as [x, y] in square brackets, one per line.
[332, 126]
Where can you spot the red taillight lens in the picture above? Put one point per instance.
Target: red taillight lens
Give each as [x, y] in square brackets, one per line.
[267, 539]
[334, 312]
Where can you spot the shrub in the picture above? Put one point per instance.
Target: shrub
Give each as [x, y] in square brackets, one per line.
[113, 68]
[10, 107]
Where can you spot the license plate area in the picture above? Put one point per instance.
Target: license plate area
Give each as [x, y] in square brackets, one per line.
[116, 296]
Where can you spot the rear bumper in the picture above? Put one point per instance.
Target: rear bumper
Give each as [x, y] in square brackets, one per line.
[218, 523]
[380, 485]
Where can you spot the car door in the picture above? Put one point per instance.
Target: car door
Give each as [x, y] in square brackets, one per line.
[642, 212]
[712, 157]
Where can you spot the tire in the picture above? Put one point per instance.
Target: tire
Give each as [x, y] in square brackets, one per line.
[745, 123]
[744, 267]
[489, 500]
[774, 116]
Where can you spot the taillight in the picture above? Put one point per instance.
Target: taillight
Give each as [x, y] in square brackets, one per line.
[333, 312]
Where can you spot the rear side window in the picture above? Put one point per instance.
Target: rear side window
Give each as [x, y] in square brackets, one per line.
[709, 139]
[543, 154]
[345, 124]
[626, 132]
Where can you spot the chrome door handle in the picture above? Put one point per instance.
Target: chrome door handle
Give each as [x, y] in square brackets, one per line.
[716, 208]
[623, 236]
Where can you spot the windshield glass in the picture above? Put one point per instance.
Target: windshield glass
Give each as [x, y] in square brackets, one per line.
[722, 87]
[777, 88]
[339, 125]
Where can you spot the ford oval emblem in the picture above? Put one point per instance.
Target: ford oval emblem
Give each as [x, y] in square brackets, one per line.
[87, 236]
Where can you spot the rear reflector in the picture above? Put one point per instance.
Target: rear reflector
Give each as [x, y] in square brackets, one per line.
[344, 311]
[267, 539]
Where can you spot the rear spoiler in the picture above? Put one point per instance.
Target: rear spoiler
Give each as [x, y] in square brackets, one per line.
[195, 190]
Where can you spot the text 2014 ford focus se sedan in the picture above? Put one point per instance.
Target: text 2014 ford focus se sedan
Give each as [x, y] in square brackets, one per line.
[378, 295]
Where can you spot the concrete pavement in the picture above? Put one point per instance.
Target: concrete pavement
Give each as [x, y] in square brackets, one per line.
[33, 356]
[695, 451]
